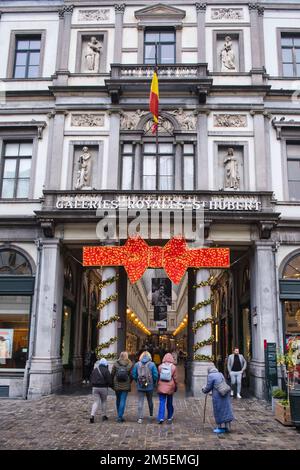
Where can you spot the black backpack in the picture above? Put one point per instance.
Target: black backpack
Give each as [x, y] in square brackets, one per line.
[96, 378]
[122, 374]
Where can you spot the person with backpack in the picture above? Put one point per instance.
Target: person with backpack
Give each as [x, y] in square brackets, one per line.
[220, 398]
[145, 374]
[121, 382]
[100, 379]
[167, 386]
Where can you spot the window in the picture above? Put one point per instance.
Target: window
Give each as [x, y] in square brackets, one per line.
[16, 170]
[27, 57]
[292, 269]
[188, 167]
[127, 166]
[13, 263]
[158, 170]
[290, 48]
[165, 40]
[293, 169]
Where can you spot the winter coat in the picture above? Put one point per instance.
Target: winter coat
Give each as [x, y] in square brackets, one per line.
[221, 405]
[104, 378]
[153, 371]
[168, 388]
[121, 386]
[231, 360]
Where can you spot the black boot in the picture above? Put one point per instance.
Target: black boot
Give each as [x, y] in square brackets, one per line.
[92, 419]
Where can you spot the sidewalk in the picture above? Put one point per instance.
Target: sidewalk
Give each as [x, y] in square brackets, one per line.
[62, 422]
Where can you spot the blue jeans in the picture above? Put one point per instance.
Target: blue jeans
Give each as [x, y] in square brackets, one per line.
[162, 405]
[121, 403]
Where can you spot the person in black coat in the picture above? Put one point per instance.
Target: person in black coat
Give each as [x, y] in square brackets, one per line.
[101, 379]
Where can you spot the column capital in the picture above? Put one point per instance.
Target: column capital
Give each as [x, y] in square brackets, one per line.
[254, 6]
[201, 7]
[120, 8]
[66, 9]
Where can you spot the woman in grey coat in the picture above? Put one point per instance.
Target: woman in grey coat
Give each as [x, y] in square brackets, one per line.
[221, 404]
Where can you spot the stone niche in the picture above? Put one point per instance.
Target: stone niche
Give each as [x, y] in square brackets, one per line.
[91, 52]
[86, 167]
[230, 168]
[228, 47]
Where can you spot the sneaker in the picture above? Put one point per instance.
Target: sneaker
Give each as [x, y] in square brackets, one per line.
[170, 420]
[83, 381]
[140, 421]
[238, 395]
[120, 420]
[104, 418]
[231, 393]
[160, 421]
[219, 430]
[92, 419]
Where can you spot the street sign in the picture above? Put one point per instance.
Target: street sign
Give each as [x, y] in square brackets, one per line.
[270, 367]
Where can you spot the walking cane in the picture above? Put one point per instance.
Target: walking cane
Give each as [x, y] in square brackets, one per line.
[204, 411]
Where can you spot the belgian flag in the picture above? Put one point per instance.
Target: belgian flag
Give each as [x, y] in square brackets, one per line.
[154, 100]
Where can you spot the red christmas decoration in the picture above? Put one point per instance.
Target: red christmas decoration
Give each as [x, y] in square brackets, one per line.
[175, 257]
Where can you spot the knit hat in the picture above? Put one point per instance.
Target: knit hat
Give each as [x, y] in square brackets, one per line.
[103, 362]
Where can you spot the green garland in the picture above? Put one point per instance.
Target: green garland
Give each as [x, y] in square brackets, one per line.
[203, 357]
[107, 301]
[209, 282]
[108, 281]
[201, 304]
[205, 342]
[202, 323]
[103, 323]
[106, 345]
[107, 356]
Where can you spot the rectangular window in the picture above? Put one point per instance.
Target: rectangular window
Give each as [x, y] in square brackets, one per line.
[158, 170]
[27, 57]
[127, 166]
[14, 330]
[188, 167]
[166, 46]
[290, 49]
[16, 170]
[293, 169]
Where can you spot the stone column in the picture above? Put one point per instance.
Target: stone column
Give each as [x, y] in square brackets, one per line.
[178, 165]
[54, 165]
[201, 11]
[261, 168]
[257, 42]
[77, 358]
[45, 375]
[111, 330]
[199, 369]
[137, 166]
[119, 14]
[202, 152]
[264, 298]
[113, 149]
[178, 58]
[65, 22]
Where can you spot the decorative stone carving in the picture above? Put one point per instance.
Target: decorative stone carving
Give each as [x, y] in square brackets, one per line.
[231, 171]
[92, 54]
[227, 14]
[87, 120]
[94, 15]
[66, 9]
[130, 119]
[201, 7]
[84, 170]
[164, 126]
[227, 56]
[120, 8]
[230, 120]
[186, 119]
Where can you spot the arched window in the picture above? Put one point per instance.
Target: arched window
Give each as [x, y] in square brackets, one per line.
[292, 268]
[13, 263]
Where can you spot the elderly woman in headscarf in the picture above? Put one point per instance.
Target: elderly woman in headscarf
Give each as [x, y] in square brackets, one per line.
[221, 404]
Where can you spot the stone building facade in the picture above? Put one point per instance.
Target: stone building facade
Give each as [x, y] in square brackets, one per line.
[75, 131]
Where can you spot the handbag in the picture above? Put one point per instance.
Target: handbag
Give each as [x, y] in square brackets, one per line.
[223, 388]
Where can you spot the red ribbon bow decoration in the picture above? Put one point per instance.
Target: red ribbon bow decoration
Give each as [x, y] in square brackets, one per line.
[175, 257]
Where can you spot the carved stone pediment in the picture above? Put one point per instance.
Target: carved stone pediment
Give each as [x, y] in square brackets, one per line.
[164, 126]
[158, 12]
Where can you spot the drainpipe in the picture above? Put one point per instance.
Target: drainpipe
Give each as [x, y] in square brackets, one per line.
[33, 319]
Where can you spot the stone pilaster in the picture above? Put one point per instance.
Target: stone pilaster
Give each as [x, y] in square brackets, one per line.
[65, 22]
[137, 166]
[257, 42]
[111, 330]
[113, 145]
[178, 166]
[201, 11]
[119, 15]
[45, 374]
[54, 164]
[199, 368]
[202, 152]
[261, 167]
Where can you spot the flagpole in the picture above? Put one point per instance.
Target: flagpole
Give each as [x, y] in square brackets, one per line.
[156, 133]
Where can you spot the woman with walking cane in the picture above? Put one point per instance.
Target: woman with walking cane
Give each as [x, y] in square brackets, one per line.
[221, 400]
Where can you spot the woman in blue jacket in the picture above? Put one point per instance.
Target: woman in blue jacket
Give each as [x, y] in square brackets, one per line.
[145, 374]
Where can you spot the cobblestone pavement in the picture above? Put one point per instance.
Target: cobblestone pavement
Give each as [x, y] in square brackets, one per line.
[62, 422]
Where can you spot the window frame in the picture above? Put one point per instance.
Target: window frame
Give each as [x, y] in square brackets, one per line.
[159, 30]
[157, 160]
[280, 32]
[127, 154]
[289, 142]
[193, 156]
[18, 159]
[14, 35]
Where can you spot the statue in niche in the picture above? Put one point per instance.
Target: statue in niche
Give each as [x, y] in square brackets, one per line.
[231, 171]
[227, 56]
[84, 170]
[92, 55]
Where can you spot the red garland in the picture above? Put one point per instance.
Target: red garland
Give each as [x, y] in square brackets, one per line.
[175, 257]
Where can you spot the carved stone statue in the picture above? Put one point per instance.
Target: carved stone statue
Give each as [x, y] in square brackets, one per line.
[231, 171]
[84, 170]
[92, 55]
[130, 120]
[227, 56]
[186, 119]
